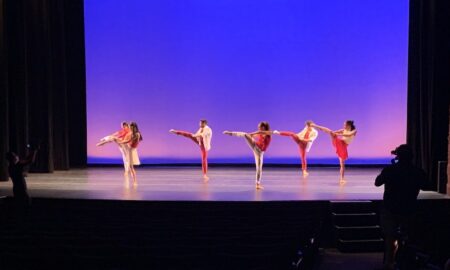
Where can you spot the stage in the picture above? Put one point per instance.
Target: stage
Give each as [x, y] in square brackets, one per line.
[181, 183]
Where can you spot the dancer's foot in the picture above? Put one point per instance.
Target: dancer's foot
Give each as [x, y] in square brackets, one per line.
[305, 173]
[342, 181]
[205, 178]
[259, 186]
[101, 143]
[173, 131]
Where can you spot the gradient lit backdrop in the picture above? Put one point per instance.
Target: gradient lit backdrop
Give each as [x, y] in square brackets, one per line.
[167, 63]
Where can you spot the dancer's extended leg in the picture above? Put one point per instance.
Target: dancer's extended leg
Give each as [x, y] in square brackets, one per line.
[290, 134]
[301, 147]
[186, 134]
[256, 152]
[105, 140]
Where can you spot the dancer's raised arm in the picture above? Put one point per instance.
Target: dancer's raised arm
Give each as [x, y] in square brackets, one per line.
[262, 132]
[322, 128]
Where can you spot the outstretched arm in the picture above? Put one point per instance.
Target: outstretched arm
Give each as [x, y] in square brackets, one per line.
[322, 128]
[262, 132]
[30, 158]
[353, 132]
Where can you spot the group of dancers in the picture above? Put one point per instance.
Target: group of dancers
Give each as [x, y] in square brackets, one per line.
[128, 139]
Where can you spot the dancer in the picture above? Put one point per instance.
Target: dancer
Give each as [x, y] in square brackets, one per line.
[203, 139]
[304, 140]
[119, 136]
[130, 144]
[258, 141]
[341, 139]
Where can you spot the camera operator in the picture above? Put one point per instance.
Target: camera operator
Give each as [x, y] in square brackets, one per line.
[402, 182]
[17, 169]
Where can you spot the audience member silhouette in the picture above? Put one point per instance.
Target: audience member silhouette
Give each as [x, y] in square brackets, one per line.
[16, 169]
[402, 182]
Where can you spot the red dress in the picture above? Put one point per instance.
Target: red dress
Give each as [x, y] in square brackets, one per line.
[341, 147]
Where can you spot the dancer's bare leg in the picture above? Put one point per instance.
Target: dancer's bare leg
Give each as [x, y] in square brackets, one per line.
[133, 174]
[342, 170]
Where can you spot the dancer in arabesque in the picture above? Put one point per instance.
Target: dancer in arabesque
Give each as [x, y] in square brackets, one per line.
[119, 136]
[304, 140]
[341, 139]
[258, 142]
[202, 138]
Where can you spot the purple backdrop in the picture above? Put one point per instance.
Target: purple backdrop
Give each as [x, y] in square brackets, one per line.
[166, 64]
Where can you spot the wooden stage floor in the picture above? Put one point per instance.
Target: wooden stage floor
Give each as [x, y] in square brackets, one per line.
[226, 184]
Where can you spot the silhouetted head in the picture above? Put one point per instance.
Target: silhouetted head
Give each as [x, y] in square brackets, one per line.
[308, 123]
[403, 152]
[203, 123]
[349, 125]
[12, 157]
[263, 126]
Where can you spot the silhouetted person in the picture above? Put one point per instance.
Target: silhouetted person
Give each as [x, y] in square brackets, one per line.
[402, 182]
[16, 170]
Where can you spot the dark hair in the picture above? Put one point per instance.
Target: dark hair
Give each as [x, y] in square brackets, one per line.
[204, 121]
[308, 122]
[135, 130]
[403, 152]
[125, 124]
[264, 125]
[351, 123]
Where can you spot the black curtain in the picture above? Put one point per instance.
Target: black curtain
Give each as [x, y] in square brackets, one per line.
[43, 81]
[429, 84]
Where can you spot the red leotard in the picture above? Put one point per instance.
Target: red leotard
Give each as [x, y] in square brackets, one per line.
[262, 141]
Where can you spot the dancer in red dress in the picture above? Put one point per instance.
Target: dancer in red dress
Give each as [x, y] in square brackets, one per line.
[304, 140]
[203, 139]
[258, 141]
[341, 139]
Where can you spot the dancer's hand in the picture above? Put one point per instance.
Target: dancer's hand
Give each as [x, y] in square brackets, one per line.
[276, 132]
[173, 131]
[226, 132]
